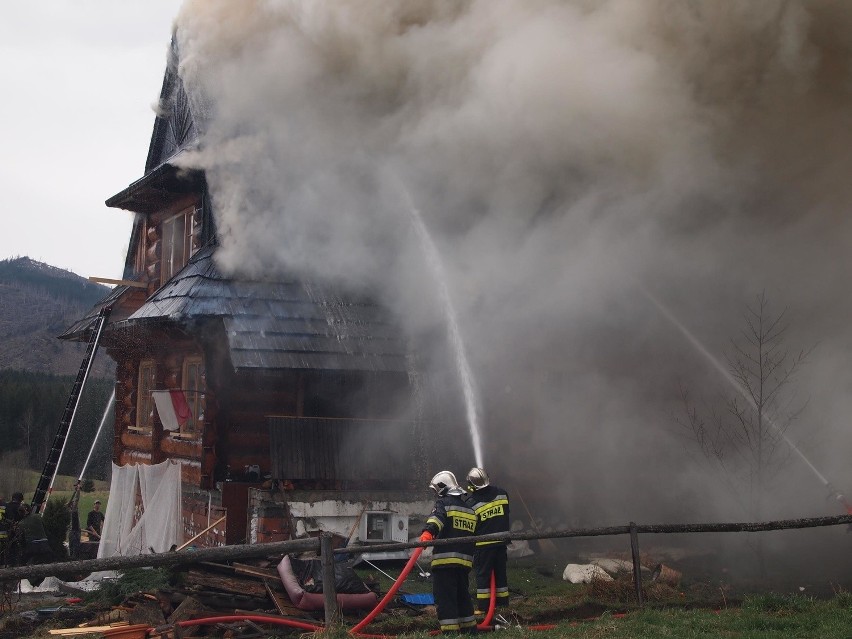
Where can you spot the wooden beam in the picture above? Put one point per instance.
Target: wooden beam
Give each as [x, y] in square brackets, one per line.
[329, 590]
[232, 585]
[107, 280]
[250, 551]
[224, 553]
[85, 630]
[283, 603]
[215, 523]
[255, 571]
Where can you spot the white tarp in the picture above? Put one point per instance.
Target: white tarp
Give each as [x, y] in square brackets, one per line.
[143, 511]
[166, 409]
[584, 573]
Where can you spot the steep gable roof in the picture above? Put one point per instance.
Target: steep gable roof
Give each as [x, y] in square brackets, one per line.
[282, 324]
[179, 118]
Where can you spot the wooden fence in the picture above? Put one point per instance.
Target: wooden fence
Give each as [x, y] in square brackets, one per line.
[322, 545]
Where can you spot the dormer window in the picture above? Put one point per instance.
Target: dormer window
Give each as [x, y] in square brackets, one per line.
[179, 242]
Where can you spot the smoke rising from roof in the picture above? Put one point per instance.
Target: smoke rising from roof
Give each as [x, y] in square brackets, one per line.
[564, 153]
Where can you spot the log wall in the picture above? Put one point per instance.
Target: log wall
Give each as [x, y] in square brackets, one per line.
[131, 445]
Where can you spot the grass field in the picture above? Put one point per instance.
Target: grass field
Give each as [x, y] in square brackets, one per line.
[760, 617]
[86, 501]
[543, 605]
[63, 488]
[608, 609]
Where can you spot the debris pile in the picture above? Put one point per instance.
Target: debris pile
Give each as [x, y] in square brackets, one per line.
[201, 591]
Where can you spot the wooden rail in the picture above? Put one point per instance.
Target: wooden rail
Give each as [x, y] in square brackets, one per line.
[633, 530]
[249, 551]
[668, 529]
[184, 557]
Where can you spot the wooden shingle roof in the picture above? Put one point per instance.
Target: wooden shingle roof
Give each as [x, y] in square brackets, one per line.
[279, 324]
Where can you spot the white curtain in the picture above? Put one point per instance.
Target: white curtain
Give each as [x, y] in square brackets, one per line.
[144, 510]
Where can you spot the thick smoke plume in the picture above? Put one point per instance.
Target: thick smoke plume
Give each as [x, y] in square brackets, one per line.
[565, 156]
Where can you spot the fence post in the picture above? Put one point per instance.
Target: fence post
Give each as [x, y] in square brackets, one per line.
[329, 590]
[637, 567]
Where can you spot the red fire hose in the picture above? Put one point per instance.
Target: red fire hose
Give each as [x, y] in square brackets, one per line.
[390, 594]
[355, 630]
[492, 604]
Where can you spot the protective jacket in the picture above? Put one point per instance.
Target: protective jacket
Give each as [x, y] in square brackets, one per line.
[5, 525]
[13, 511]
[452, 518]
[491, 506]
[31, 529]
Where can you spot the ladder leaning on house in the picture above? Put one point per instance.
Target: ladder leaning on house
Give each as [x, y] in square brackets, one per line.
[48, 474]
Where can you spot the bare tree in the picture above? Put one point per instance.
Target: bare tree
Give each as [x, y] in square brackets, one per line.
[744, 434]
[13, 472]
[25, 425]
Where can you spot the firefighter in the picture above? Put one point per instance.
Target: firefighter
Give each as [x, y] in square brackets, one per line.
[451, 518]
[13, 516]
[13, 511]
[32, 540]
[491, 505]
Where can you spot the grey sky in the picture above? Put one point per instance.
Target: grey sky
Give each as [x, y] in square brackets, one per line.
[78, 80]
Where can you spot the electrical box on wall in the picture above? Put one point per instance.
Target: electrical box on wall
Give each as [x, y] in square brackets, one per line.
[383, 527]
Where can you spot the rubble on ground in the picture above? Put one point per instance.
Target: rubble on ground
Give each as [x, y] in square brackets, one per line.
[202, 590]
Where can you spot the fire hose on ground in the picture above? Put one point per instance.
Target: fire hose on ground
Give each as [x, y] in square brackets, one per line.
[390, 594]
[356, 629]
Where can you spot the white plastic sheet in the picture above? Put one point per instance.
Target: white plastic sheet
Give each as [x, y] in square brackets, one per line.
[144, 510]
[166, 410]
[584, 573]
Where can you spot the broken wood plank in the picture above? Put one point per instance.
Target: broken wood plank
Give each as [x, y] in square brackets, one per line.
[302, 616]
[256, 571]
[228, 602]
[148, 613]
[203, 532]
[70, 632]
[108, 280]
[236, 585]
[103, 622]
[281, 601]
[190, 608]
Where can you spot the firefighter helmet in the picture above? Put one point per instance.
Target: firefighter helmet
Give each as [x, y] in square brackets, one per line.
[442, 482]
[477, 478]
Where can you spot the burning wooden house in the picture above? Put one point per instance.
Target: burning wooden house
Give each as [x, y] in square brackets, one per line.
[289, 404]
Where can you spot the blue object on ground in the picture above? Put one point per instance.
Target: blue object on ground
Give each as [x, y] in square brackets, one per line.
[425, 599]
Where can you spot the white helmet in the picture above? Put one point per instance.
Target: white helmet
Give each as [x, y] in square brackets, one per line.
[442, 482]
[477, 478]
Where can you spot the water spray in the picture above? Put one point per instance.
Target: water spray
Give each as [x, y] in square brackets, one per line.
[726, 374]
[107, 408]
[433, 258]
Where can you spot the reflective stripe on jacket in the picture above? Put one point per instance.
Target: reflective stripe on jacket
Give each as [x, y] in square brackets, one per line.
[491, 505]
[452, 518]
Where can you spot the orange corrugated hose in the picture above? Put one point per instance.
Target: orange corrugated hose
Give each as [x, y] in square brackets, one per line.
[390, 594]
[492, 604]
[356, 629]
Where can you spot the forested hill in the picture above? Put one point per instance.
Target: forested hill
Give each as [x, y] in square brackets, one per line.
[38, 302]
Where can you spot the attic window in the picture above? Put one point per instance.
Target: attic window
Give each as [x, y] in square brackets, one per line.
[180, 240]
